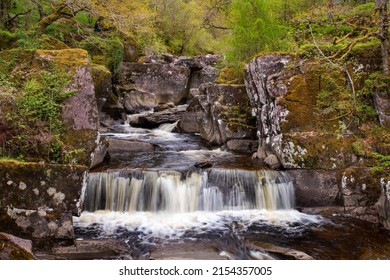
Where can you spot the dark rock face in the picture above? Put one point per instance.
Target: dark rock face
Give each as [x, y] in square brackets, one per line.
[162, 82]
[120, 146]
[315, 188]
[38, 200]
[219, 114]
[155, 81]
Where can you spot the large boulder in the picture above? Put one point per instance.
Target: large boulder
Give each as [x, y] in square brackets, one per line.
[160, 80]
[79, 123]
[284, 96]
[220, 114]
[38, 200]
[317, 188]
[155, 119]
[154, 84]
[80, 111]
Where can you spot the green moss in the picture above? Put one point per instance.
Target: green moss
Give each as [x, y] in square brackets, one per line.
[319, 150]
[7, 40]
[34, 124]
[78, 152]
[108, 52]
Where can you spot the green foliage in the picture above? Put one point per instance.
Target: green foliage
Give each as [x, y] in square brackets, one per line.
[42, 96]
[376, 81]
[382, 163]
[35, 125]
[27, 40]
[7, 39]
[256, 27]
[108, 52]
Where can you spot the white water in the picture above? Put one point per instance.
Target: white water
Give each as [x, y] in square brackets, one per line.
[170, 191]
[175, 225]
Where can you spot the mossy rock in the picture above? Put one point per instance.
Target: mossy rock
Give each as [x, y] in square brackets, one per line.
[107, 52]
[78, 109]
[301, 99]
[14, 248]
[316, 150]
[51, 43]
[66, 59]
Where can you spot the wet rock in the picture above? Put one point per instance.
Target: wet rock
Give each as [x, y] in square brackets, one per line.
[272, 161]
[242, 146]
[120, 145]
[189, 120]
[136, 101]
[316, 188]
[383, 204]
[203, 164]
[220, 113]
[89, 250]
[382, 105]
[278, 250]
[15, 248]
[187, 250]
[100, 152]
[155, 119]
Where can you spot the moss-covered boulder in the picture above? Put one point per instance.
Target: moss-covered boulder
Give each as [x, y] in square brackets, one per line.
[55, 114]
[38, 200]
[297, 118]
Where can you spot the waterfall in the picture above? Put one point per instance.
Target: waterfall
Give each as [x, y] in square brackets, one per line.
[215, 189]
[168, 127]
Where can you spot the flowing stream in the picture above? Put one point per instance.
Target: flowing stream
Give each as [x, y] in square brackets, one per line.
[165, 207]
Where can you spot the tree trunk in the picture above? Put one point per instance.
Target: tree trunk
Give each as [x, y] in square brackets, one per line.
[383, 34]
[40, 9]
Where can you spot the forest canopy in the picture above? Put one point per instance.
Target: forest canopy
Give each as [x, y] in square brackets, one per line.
[238, 29]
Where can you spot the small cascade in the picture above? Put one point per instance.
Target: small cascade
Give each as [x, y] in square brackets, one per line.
[212, 190]
[168, 127]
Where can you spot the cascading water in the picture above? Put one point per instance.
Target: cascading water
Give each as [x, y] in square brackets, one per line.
[174, 192]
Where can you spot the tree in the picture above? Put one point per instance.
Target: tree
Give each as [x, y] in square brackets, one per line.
[256, 26]
[127, 17]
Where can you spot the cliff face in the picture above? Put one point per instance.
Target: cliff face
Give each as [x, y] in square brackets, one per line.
[303, 111]
[283, 94]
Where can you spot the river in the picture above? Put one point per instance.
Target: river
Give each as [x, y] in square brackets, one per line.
[164, 205]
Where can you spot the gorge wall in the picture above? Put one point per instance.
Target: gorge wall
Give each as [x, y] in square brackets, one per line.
[305, 139]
